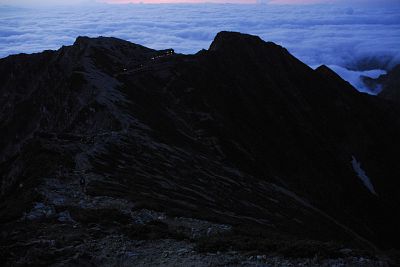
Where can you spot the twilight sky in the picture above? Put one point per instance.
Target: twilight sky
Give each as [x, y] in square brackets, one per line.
[353, 37]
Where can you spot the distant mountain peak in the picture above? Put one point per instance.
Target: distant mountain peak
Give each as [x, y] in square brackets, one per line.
[226, 39]
[85, 40]
[323, 69]
[333, 77]
[105, 43]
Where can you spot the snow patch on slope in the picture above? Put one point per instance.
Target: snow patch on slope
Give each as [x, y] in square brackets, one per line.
[362, 175]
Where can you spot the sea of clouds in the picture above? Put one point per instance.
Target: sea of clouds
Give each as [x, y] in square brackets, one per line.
[353, 41]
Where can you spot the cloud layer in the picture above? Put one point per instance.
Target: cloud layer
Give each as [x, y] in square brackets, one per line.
[291, 2]
[351, 38]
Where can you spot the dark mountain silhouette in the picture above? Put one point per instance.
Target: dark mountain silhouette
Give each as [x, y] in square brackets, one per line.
[386, 85]
[242, 134]
[391, 85]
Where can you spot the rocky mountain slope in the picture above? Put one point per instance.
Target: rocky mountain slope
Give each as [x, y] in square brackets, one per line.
[387, 85]
[237, 148]
[391, 85]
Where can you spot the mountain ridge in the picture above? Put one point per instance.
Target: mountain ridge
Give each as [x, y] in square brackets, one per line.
[240, 134]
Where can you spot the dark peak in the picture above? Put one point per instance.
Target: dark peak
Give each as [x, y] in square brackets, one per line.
[226, 40]
[390, 84]
[239, 48]
[395, 70]
[82, 40]
[101, 40]
[89, 41]
[110, 43]
[333, 77]
[326, 71]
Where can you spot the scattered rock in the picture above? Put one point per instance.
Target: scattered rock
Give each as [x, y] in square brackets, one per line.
[40, 211]
[65, 217]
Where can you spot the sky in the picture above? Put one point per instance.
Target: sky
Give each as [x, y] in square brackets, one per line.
[353, 37]
[291, 2]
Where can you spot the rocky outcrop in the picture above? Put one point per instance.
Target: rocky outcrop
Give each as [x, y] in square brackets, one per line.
[391, 85]
[387, 85]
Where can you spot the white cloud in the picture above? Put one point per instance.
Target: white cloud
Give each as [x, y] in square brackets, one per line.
[322, 34]
[353, 77]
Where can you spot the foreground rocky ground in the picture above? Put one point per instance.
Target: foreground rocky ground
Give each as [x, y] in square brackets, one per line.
[71, 228]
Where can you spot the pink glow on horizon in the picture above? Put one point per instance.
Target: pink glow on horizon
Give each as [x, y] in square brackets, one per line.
[299, 1]
[178, 1]
[218, 1]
